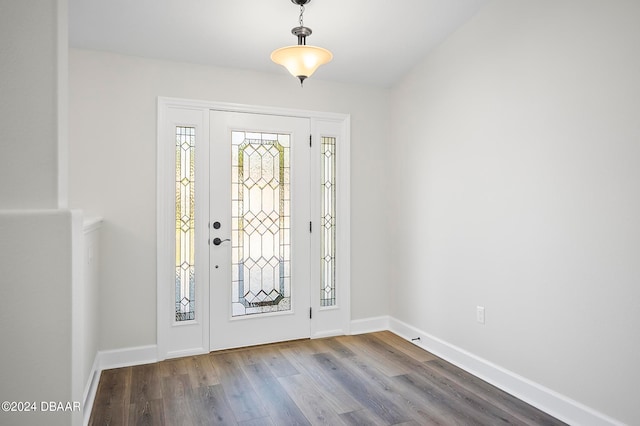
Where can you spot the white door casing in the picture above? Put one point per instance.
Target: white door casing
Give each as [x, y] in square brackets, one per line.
[198, 335]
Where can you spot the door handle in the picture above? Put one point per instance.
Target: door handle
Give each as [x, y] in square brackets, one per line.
[217, 241]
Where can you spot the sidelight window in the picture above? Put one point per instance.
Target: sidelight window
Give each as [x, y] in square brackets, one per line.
[328, 221]
[185, 219]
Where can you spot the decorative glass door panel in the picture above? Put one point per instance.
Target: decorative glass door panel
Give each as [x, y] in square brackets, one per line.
[260, 233]
[185, 223]
[260, 203]
[328, 221]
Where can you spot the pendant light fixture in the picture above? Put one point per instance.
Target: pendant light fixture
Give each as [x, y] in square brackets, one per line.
[301, 60]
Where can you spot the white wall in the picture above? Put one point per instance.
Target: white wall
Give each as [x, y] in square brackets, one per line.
[35, 319]
[36, 241]
[517, 178]
[112, 129]
[30, 41]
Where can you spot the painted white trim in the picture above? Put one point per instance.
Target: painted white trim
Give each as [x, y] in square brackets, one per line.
[90, 389]
[187, 352]
[91, 224]
[370, 325]
[255, 109]
[343, 267]
[117, 358]
[547, 400]
[127, 357]
[78, 318]
[328, 333]
[164, 200]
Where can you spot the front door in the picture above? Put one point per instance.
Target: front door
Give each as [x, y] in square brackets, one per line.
[253, 226]
[260, 239]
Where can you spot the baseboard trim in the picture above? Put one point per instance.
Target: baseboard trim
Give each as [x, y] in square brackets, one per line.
[116, 358]
[90, 390]
[369, 325]
[127, 357]
[186, 352]
[547, 400]
[330, 333]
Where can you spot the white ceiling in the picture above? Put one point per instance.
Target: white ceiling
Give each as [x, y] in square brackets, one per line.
[374, 42]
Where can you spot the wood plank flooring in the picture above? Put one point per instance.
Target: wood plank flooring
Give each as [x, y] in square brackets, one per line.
[369, 379]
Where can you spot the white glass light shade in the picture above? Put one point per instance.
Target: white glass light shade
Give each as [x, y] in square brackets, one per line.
[301, 60]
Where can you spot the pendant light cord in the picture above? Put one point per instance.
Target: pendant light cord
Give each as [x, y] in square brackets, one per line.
[300, 19]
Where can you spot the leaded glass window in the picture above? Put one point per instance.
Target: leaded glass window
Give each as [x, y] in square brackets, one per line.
[328, 221]
[260, 237]
[185, 217]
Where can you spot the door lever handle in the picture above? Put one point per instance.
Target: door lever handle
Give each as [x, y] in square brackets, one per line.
[217, 241]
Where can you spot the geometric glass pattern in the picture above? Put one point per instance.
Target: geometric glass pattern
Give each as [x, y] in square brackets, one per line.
[260, 226]
[185, 230]
[328, 221]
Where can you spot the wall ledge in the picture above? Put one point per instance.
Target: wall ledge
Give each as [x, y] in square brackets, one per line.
[91, 224]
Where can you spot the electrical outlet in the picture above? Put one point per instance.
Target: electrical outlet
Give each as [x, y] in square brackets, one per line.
[480, 314]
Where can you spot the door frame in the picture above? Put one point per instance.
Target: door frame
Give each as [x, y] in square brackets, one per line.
[192, 337]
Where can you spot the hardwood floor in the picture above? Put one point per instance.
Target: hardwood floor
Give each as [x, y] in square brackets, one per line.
[370, 379]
